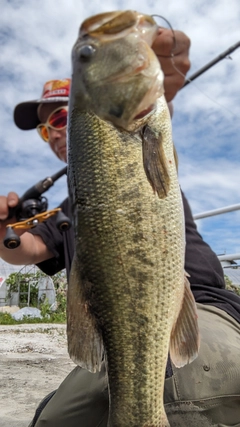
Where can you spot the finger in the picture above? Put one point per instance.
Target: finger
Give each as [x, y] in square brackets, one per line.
[3, 207]
[172, 50]
[171, 43]
[12, 199]
[6, 202]
[164, 43]
[183, 42]
[172, 86]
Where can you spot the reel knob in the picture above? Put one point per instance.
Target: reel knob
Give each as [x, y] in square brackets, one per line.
[63, 223]
[11, 240]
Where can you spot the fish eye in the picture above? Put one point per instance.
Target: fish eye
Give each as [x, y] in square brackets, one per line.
[86, 52]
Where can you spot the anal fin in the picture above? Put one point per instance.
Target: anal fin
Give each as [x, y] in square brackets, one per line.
[185, 341]
[85, 344]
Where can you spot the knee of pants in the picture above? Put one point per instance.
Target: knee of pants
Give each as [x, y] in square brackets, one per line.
[210, 385]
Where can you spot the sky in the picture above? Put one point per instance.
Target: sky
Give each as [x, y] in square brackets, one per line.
[36, 39]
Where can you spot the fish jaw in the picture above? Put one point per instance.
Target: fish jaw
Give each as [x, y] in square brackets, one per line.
[116, 90]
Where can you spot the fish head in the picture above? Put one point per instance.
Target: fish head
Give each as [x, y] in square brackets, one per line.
[115, 73]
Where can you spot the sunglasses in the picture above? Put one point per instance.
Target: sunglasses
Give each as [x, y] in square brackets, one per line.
[57, 120]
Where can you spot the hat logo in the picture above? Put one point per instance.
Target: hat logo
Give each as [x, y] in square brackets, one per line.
[57, 84]
[58, 92]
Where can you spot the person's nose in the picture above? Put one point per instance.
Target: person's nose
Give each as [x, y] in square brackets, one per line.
[54, 134]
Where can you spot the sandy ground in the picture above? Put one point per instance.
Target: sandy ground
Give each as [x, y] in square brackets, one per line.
[33, 362]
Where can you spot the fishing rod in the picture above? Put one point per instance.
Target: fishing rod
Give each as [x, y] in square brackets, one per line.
[32, 210]
[211, 63]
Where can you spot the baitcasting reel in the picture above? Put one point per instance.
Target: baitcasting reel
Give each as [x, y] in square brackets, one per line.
[32, 210]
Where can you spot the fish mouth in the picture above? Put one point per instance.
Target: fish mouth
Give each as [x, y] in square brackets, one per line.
[129, 90]
[118, 24]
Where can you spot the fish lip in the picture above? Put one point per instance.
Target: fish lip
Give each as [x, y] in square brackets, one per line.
[116, 23]
[145, 112]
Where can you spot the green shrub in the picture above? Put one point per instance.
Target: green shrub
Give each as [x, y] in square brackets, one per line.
[48, 316]
[230, 286]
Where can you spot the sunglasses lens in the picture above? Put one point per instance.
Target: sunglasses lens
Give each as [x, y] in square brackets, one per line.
[43, 132]
[58, 119]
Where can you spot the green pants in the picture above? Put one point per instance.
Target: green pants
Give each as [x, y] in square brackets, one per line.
[204, 393]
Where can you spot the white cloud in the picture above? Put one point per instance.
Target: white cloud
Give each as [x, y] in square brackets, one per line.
[36, 39]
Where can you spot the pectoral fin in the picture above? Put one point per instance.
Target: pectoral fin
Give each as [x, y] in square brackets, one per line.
[155, 163]
[184, 342]
[85, 344]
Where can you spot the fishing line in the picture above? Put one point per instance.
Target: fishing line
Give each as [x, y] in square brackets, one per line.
[179, 72]
[200, 90]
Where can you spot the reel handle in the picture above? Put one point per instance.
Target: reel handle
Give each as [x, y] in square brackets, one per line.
[12, 240]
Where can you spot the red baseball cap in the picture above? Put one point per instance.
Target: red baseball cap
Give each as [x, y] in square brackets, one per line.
[25, 114]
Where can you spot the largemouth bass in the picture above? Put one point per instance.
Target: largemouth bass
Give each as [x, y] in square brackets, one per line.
[128, 300]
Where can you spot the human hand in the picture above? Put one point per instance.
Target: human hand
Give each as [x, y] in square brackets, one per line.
[6, 202]
[173, 55]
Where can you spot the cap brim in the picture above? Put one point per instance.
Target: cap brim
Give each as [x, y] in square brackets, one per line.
[25, 114]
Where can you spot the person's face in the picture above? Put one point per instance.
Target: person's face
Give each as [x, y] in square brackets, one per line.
[57, 137]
